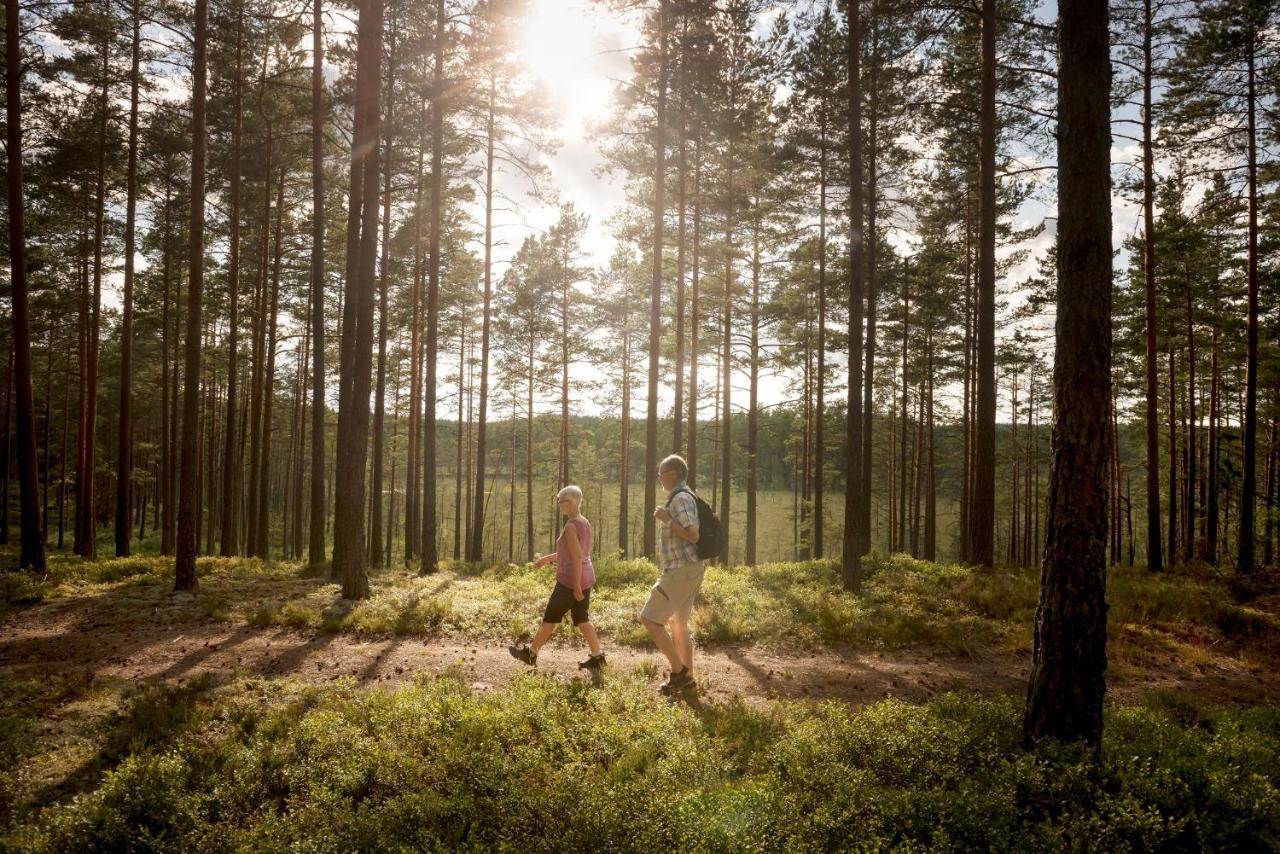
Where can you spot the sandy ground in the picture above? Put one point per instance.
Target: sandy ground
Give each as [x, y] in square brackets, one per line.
[72, 641]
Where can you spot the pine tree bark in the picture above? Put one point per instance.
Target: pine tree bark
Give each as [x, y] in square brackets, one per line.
[124, 451]
[230, 467]
[1069, 659]
[188, 495]
[1245, 551]
[316, 532]
[31, 551]
[1155, 560]
[380, 391]
[982, 512]
[430, 547]
[695, 320]
[851, 563]
[655, 291]
[262, 547]
[476, 538]
[753, 402]
[350, 557]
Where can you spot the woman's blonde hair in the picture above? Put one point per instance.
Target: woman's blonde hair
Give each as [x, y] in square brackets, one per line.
[571, 492]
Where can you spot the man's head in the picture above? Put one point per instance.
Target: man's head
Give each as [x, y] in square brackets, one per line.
[672, 471]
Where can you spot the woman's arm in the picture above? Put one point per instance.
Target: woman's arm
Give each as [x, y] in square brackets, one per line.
[575, 557]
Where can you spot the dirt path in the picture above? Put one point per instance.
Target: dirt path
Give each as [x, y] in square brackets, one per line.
[42, 640]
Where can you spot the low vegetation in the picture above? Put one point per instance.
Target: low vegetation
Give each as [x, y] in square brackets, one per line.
[543, 764]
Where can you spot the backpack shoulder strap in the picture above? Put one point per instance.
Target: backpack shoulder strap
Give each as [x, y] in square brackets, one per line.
[674, 493]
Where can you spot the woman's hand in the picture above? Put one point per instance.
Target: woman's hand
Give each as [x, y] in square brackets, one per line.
[662, 514]
[543, 561]
[577, 594]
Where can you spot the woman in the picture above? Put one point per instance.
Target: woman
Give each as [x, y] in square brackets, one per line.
[575, 577]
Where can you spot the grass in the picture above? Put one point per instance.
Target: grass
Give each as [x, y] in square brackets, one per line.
[904, 602]
[543, 764]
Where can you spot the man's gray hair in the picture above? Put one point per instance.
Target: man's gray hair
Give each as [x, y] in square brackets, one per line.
[571, 492]
[676, 463]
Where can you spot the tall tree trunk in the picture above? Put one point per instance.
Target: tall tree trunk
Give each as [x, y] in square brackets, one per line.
[316, 532]
[31, 552]
[682, 171]
[1069, 658]
[853, 537]
[430, 547]
[258, 386]
[753, 408]
[230, 463]
[380, 391]
[820, 413]
[482, 426]
[188, 497]
[931, 485]
[982, 513]
[1172, 550]
[624, 462]
[1245, 557]
[124, 453]
[1210, 552]
[695, 320]
[86, 509]
[872, 286]
[262, 547]
[1191, 447]
[1155, 560]
[528, 458]
[726, 366]
[655, 291]
[413, 473]
[168, 396]
[967, 398]
[350, 558]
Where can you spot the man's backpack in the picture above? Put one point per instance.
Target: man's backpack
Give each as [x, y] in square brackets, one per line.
[710, 532]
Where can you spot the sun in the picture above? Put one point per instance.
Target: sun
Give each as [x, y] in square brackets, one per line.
[559, 46]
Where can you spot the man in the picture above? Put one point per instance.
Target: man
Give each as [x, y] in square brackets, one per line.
[671, 599]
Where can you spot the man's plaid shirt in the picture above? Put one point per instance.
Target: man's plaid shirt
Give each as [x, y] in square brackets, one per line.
[673, 551]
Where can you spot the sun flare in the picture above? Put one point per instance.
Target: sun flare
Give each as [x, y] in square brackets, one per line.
[559, 45]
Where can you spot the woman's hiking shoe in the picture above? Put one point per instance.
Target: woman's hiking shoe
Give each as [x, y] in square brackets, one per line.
[678, 681]
[524, 653]
[593, 662]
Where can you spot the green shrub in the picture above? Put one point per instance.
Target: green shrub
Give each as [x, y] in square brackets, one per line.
[546, 765]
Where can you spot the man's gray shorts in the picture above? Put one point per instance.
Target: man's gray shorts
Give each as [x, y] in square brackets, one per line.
[674, 592]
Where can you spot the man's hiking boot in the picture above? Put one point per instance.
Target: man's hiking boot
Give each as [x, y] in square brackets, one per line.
[524, 653]
[593, 662]
[678, 681]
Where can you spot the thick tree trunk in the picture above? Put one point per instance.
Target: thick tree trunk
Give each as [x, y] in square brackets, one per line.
[1069, 659]
[31, 552]
[853, 537]
[350, 558]
[982, 512]
[188, 497]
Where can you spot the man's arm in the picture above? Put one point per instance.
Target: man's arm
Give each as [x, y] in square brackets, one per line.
[684, 522]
